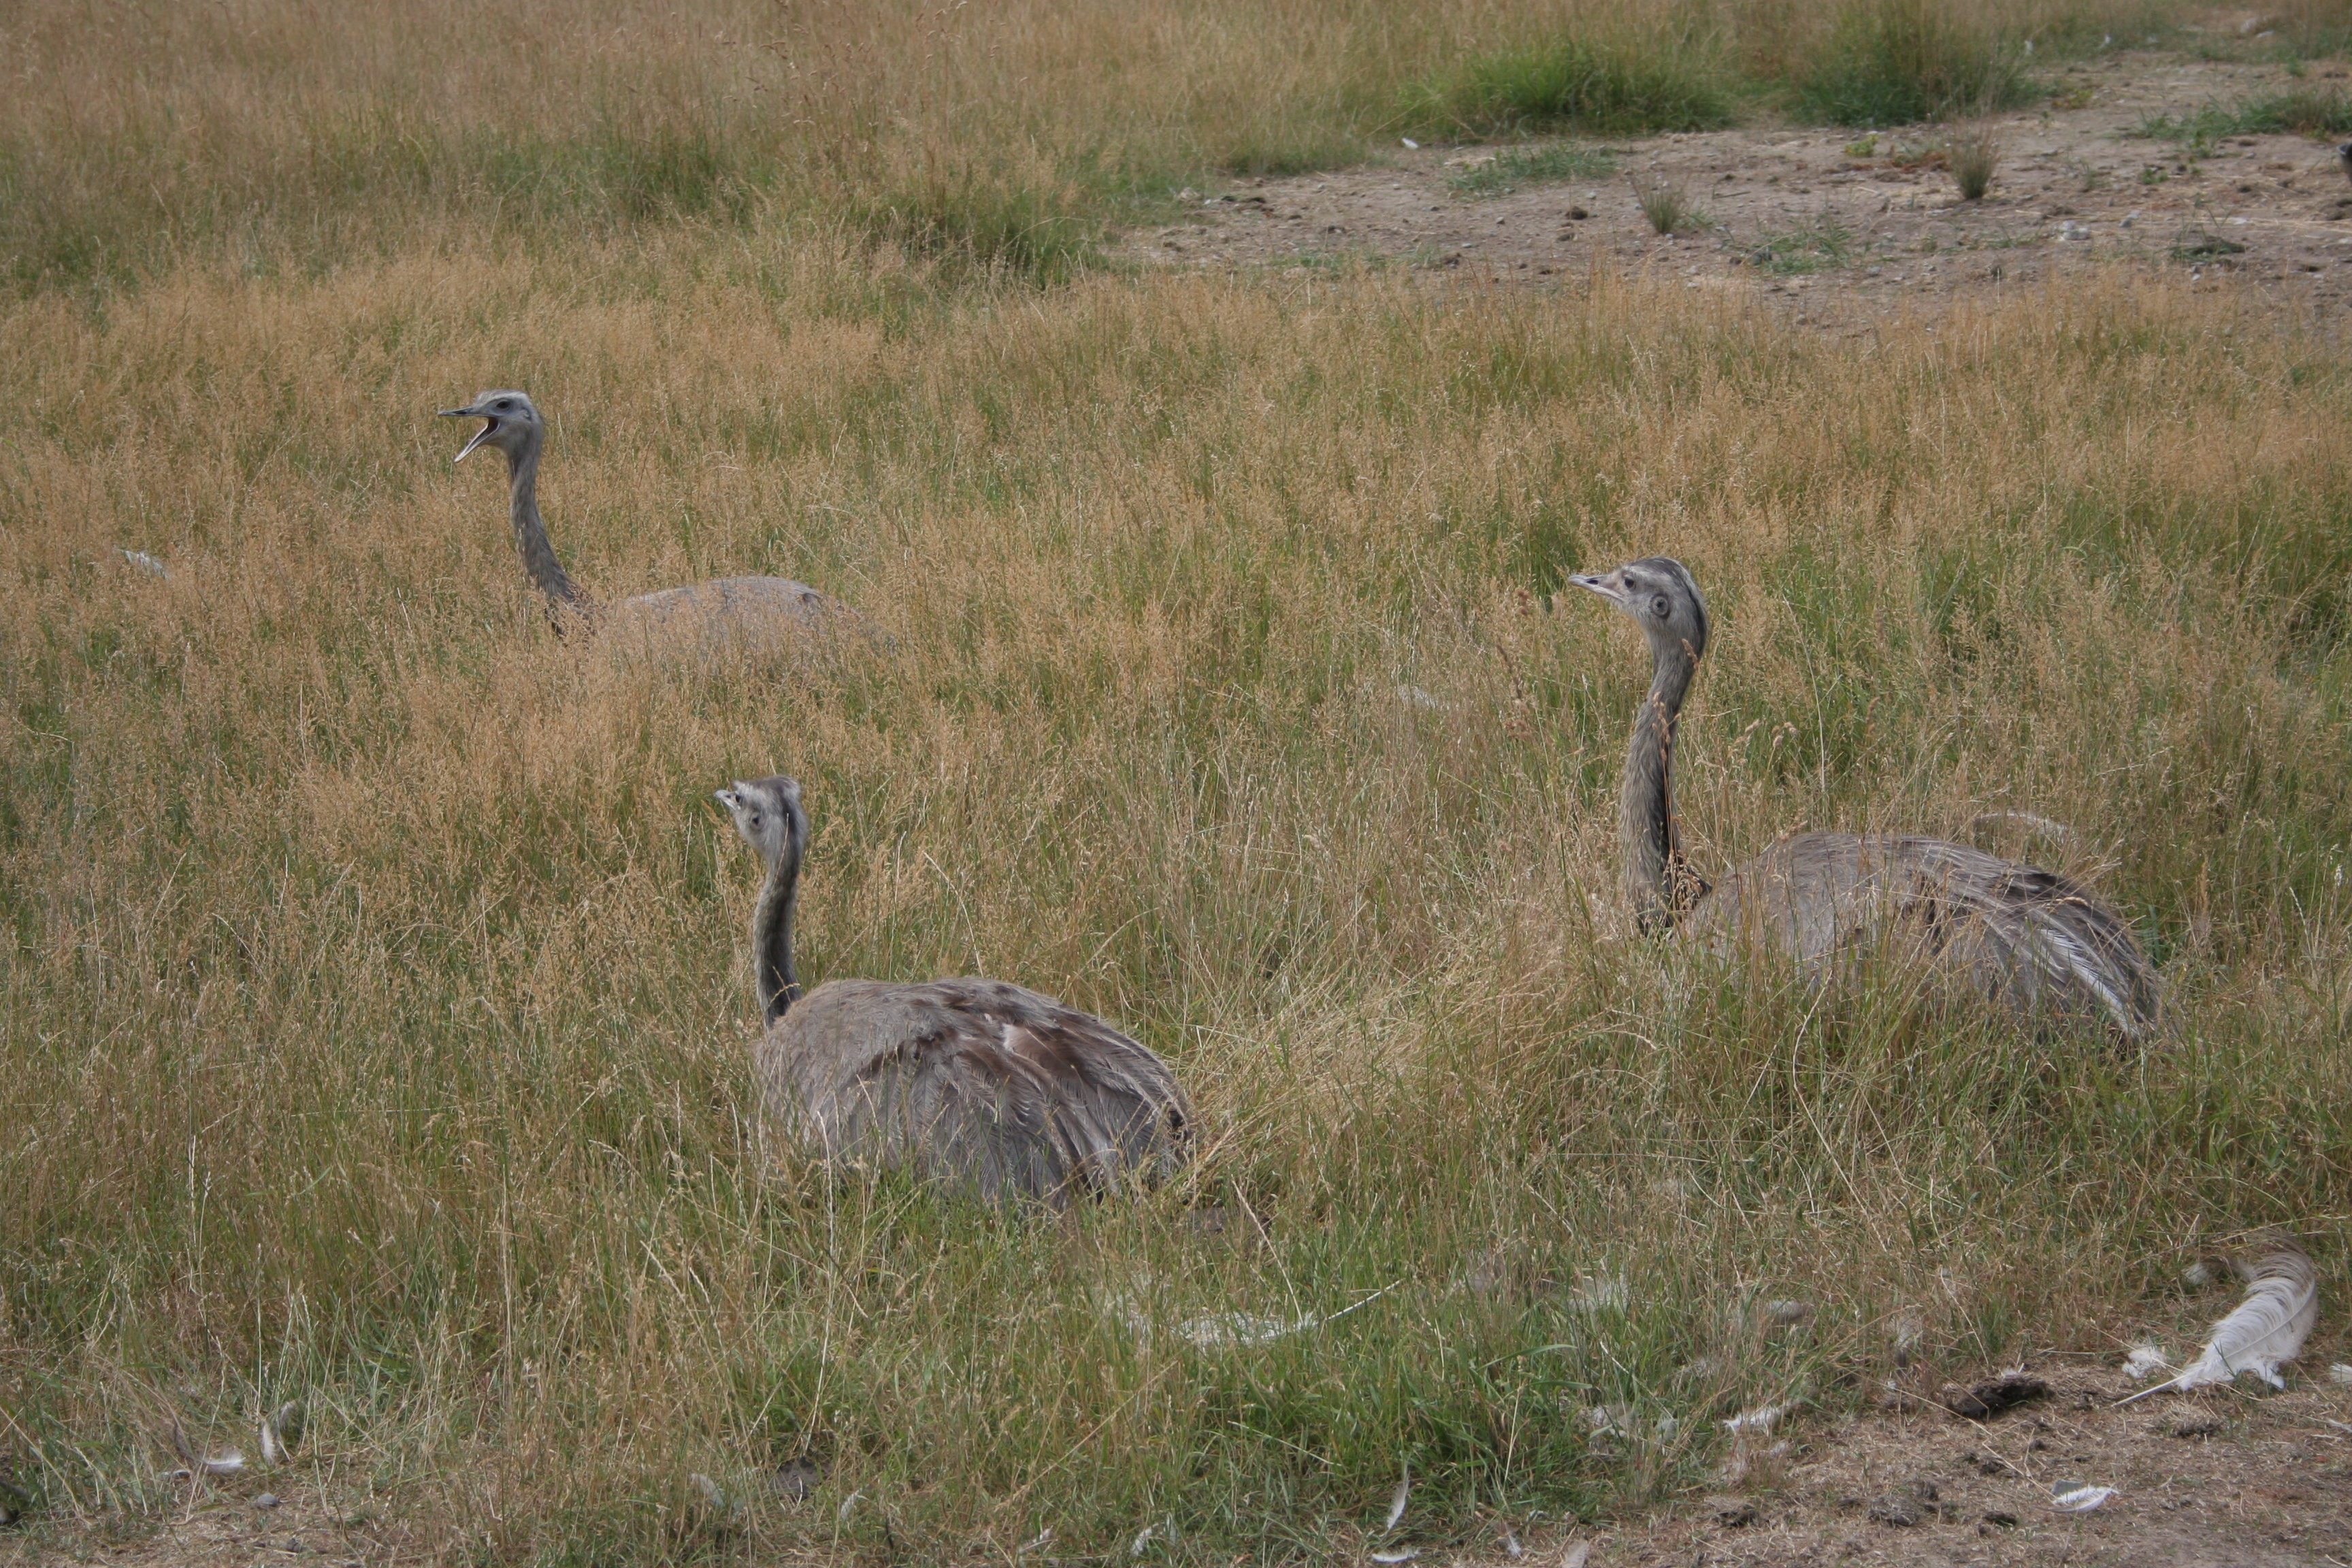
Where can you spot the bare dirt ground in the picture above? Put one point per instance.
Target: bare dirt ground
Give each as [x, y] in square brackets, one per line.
[2212, 1480]
[2073, 190]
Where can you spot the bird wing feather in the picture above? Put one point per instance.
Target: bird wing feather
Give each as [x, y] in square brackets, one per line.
[977, 1080]
[2031, 938]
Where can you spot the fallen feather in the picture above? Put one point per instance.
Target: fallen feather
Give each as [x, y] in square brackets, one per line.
[709, 1491]
[1030, 1546]
[292, 1420]
[2144, 1361]
[2077, 1497]
[1761, 1420]
[281, 1430]
[141, 561]
[1403, 1496]
[1910, 1330]
[1511, 1547]
[847, 1504]
[1222, 1328]
[1219, 1329]
[2339, 1374]
[1405, 1555]
[1597, 1294]
[1575, 1555]
[1411, 146]
[2267, 1330]
[1143, 1539]
[228, 1464]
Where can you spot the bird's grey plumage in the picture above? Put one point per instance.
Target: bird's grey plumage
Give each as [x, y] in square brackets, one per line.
[968, 1080]
[2030, 939]
[726, 608]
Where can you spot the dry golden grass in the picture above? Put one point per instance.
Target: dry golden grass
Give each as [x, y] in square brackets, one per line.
[375, 997]
[373, 991]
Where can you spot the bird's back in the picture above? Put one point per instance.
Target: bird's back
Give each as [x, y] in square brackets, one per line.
[2031, 939]
[972, 1081]
[725, 610]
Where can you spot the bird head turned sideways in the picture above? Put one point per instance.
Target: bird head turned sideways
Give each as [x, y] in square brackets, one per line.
[1658, 593]
[508, 419]
[768, 814]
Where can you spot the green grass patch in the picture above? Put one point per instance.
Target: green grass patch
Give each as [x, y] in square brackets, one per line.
[1575, 84]
[2298, 111]
[1895, 62]
[1515, 167]
[1815, 246]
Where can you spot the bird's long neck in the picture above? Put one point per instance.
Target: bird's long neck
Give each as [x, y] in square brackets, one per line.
[1658, 880]
[547, 574]
[772, 938]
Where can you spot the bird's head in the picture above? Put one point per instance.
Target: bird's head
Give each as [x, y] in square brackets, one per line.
[509, 423]
[1659, 594]
[768, 814]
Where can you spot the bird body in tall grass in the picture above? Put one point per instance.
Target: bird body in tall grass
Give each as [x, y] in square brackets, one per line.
[722, 609]
[968, 1080]
[2032, 939]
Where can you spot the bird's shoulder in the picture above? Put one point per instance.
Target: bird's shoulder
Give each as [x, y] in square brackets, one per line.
[990, 1027]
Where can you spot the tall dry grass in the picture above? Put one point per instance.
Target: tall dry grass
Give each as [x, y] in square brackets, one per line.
[374, 993]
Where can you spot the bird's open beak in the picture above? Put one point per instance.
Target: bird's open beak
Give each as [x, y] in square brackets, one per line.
[488, 425]
[1610, 587]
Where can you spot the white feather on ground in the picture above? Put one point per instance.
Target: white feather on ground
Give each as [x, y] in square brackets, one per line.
[1761, 1420]
[2265, 1331]
[1396, 1504]
[228, 1464]
[2077, 1497]
[2144, 1361]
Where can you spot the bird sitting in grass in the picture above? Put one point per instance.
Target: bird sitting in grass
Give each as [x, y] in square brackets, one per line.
[724, 609]
[971, 1082]
[2029, 939]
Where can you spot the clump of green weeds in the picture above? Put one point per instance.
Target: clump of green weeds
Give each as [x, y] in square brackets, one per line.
[1894, 62]
[1668, 204]
[1972, 157]
[1575, 84]
[2298, 111]
[1514, 167]
[1811, 247]
[2203, 245]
